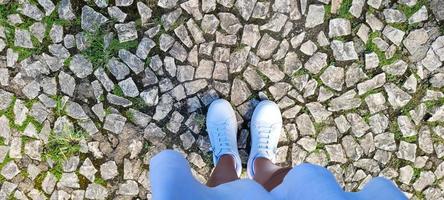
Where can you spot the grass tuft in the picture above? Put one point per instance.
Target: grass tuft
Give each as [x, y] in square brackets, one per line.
[100, 52]
[64, 145]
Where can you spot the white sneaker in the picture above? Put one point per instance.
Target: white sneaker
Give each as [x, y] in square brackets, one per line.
[222, 129]
[265, 128]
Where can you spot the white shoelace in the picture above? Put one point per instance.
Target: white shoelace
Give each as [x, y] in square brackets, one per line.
[221, 143]
[264, 140]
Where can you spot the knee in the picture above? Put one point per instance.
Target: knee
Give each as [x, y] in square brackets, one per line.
[165, 158]
[308, 170]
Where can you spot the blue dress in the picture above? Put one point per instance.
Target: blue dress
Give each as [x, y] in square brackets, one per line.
[171, 179]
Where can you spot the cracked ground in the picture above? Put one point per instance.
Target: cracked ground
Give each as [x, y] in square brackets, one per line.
[90, 90]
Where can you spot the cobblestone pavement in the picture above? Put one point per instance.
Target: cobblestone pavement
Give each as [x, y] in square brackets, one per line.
[90, 90]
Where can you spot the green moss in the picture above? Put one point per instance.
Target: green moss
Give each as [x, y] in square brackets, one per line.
[319, 127]
[99, 53]
[99, 180]
[416, 174]
[200, 119]
[59, 109]
[409, 11]
[327, 9]
[130, 116]
[411, 139]
[39, 180]
[63, 145]
[57, 170]
[118, 91]
[343, 11]
[371, 47]
[138, 103]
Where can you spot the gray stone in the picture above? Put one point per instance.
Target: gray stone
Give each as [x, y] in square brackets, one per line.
[339, 27]
[49, 183]
[129, 188]
[333, 77]
[229, 22]
[437, 8]
[261, 10]
[56, 33]
[10, 170]
[369, 85]
[150, 96]
[117, 14]
[133, 62]
[126, 32]
[81, 66]
[32, 11]
[178, 52]
[129, 88]
[394, 35]
[192, 8]
[75, 111]
[31, 90]
[276, 22]
[88, 170]
[153, 133]
[168, 4]
[316, 62]
[375, 102]
[385, 141]
[205, 69]
[187, 140]
[48, 6]
[394, 16]
[182, 33]
[343, 51]
[396, 97]
[336, 153]
[108, 170]
[170, 18]
[245, 8]
[243, 93]
[163, 107]
[144, 47]
[271, 71]
[266, 46]
[91, 20]
[114, 123]
[117, 100]
[124, 2]
[145, 12]
[308, 48]
[20, 112]
[68, 180]
[346, 101]
[426, 178]
[315, 16]
[407, 151]
[23, 39]
[96, 191]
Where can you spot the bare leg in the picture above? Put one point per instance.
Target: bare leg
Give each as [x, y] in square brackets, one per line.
[268, 174]
[224, 172]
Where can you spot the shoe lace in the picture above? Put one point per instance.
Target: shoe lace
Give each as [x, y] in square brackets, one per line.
[264, 133]
[221, 143]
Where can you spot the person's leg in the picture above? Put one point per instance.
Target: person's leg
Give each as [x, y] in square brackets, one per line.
[268, 174]
[308, 181]
[266, 126]
[171, 178]
[224, 172]
[222, 130]
[379, 188]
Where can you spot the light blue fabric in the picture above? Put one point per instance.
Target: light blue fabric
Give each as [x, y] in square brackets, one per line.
[171, 179]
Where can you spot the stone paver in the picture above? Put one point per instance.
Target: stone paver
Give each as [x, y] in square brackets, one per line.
[360, 88]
